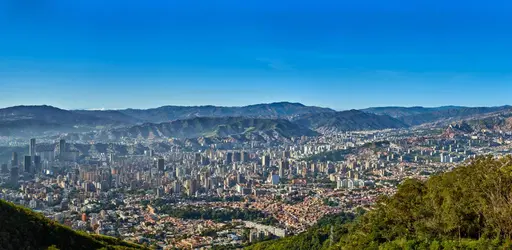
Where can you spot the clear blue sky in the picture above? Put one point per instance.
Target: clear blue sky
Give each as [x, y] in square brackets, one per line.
[340, 54]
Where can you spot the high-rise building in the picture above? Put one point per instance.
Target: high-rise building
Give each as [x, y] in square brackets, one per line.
[197, 157]
[191, 187]
[265, 161]
[283, 164]
[161, 164]
[229, 157]
[14, 160]
[28, 164]
[237, 156]
[62, 147]
[32, 148]
[176, 187]
[111, 158]
[14, 175]
[244, 156]
[37, 164]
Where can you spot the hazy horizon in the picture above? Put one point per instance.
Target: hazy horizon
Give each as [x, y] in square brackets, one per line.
[251, 104]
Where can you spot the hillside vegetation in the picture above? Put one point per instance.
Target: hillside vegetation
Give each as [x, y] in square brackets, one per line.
[350, 120]
[283, 110]
[419, 115]
[468, 208]
[21, 228]
[215, 127]
[37, 120]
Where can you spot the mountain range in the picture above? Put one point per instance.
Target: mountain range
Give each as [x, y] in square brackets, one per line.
[285, 110]
[273, 120]
[348, 121]
[413, 116]
[217, 127]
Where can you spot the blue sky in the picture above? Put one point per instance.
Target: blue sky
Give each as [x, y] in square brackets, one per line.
[340, 54]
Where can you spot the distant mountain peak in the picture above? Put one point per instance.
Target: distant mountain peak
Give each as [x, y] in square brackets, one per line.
[288, 103]
[32, 107]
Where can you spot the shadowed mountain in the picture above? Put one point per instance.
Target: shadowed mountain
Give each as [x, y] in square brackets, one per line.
[214, 127]
[30, 120]
[24, 229]
[110, 115]
[45, 113]
[500, 121]
[47, 120]
[405, 111]
[351, 120]
[271, 110]
[420, 115]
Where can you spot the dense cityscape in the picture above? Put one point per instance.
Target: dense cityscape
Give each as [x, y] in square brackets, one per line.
[225, 191]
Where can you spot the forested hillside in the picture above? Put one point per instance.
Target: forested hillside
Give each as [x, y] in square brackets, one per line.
[20, 228]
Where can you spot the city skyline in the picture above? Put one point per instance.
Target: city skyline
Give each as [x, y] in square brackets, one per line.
[341, 55]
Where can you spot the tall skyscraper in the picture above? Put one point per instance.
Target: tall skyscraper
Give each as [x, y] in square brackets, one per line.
[161, 164]
[32, 148]
[62, 146]
[37, 164]
[245, 156]
[14, 175]
[229, 157]
[192, 187]
[111, 158]
[283, 164]
[265, 161]
[14, 160]
[28, 164]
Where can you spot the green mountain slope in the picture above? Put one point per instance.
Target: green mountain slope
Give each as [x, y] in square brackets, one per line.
[282, 110]
[215, 127]
[397, 112]
[419, 115]
[347, 121]
[36, 120]
[21, 228]
[468, 208]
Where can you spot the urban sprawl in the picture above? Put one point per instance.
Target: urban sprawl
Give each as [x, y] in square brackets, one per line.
[179, 193]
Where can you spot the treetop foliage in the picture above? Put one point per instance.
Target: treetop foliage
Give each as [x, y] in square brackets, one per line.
[21, 228]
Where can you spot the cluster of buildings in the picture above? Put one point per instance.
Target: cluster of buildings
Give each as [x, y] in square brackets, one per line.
[121, 194]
